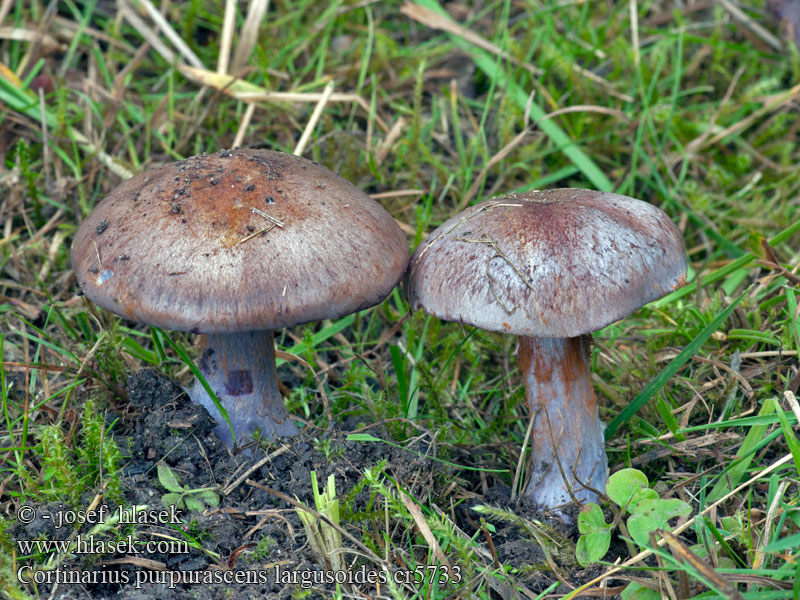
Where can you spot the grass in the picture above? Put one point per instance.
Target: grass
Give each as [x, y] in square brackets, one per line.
[440, 109]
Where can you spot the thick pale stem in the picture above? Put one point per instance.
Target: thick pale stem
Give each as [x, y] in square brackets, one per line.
[568, 458]
[240, 368]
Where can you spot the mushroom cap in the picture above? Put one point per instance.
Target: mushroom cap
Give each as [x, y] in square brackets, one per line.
[555, 263]
[179, 246]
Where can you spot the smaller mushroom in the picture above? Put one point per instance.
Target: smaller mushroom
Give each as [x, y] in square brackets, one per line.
[235, 245]
[552, 267]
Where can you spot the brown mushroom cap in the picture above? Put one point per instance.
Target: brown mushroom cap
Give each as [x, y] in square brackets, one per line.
[179, 246]
[556, 263]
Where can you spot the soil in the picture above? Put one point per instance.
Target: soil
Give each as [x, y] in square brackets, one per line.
[256, 536]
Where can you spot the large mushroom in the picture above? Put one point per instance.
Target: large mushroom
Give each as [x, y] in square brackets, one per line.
[235, 245]
[551, 267]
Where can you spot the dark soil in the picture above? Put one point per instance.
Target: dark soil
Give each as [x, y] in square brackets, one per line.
[255, 535]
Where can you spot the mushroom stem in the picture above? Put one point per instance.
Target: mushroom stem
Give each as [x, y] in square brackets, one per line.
[240, 368]
[568, 459]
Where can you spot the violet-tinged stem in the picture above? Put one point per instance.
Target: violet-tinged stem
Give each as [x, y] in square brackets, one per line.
[240, 368]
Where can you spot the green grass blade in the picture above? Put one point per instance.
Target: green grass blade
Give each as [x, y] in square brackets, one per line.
[735, 473]
[721, 273]
[743, 422]
[791, 438]
[491, 67]
[659, 380]
[182, 354]
[320, 336]
[399, 364]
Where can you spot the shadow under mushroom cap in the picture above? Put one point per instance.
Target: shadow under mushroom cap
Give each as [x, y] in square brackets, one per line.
[235, 241]
[556, 263]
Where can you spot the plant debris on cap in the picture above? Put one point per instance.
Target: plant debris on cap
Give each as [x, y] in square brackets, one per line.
[238, 240]
[555, 263]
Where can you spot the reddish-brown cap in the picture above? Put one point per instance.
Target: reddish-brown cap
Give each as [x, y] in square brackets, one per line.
[235, 241]
[556, 263]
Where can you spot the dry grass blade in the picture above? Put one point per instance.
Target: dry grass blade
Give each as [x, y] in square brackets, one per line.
[396, 194]
[48, 42]
[315, 117]
[500, 156]
[228, 23]
[5, 8]
[248, 38]
[783, 99]
[434, 20]
[148, 34]
[766, 532]
[521, 462]
[172, 36]
[634, 12]
[793, 404]
[663, 578]
[244, 124]
[424, 528]
[604, 110]
[248, 92]
[391, 137]
[698, 142]
[683, 553]
[739, 15]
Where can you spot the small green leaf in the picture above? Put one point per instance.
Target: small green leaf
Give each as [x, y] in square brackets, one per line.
[595, 535]
[635, 591]
[170, 499]
[194, 503]
[168, 479]
[362, 437]
[669, 420]
[652, 514]
[210, 498]
[591, 519]
[628, 487]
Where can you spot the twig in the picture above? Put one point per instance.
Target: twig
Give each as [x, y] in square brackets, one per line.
[228, 489]
[261, 213]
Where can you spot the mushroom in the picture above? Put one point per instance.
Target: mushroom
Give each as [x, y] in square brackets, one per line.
[551, 267]
[235, 245]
